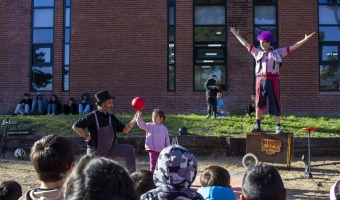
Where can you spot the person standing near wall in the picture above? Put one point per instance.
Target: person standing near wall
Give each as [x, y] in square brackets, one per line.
[211, 93]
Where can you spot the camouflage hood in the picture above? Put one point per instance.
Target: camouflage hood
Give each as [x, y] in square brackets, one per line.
[175, 171]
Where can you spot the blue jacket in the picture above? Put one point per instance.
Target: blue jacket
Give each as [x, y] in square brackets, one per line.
[217, 193]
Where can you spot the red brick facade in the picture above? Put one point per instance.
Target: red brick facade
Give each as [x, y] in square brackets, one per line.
[121, 46]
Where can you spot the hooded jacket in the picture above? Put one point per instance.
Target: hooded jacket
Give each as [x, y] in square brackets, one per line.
[210, 91]
[89, 100]
[175, 171]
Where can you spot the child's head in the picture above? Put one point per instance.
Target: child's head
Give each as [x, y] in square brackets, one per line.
[219, 94]
[54, 97]
[263, 182]
[215, 176]
[176, 166]
[10, 190]
[158, 116]
[253, 97]
[71, 100]
[52, 157]
[26, 95]
[99, 178]
[143, 181]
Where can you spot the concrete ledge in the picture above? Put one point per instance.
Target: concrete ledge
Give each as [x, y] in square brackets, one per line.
[199, 145]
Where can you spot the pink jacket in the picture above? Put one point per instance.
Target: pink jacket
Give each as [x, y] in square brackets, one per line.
[157, 137]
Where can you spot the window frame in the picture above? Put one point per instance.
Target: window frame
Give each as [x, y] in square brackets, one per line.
[325, 43]
[34, 46]
[212, 62]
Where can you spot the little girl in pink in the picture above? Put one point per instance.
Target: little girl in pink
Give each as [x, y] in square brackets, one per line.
[157, 137]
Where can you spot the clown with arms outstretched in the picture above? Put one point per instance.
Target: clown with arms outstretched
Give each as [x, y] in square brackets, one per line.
[267, 73]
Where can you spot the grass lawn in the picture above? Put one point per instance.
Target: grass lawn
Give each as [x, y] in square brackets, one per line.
[234, 126]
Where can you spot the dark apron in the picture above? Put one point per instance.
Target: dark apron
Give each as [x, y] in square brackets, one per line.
[106, 139]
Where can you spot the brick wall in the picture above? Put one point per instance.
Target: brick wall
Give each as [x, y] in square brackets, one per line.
[121, 46]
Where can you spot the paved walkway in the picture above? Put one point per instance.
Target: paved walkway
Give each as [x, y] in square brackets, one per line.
[235, 182]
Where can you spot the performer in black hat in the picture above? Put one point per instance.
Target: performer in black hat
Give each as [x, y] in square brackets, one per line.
[102, 126]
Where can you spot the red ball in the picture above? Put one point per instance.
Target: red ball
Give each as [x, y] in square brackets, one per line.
[138, 103]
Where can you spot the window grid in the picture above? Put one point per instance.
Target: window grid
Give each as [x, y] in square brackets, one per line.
[67, 42]
[171, 71]
[41, 78]
[329, 45]
[209, 23]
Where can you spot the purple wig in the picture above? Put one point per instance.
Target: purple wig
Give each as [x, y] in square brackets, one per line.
[265, 35]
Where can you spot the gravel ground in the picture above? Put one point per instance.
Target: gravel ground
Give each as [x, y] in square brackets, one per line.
[325, 172]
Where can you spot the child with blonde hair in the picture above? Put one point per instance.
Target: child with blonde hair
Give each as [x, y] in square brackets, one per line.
[157, 137]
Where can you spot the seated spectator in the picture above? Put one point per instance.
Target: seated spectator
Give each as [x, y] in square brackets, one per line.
[24, 106]
[263, 182]
[53, 106]
[215, 182]
[10, 190]
[250, 109]
[175, 171]
[99, 178]
[334, 193]
[143, 181]
[220, 106]
[85, 104]
[53, 158]
[70, 108]
[39, 105]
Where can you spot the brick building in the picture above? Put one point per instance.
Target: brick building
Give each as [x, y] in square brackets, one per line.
[164, 50]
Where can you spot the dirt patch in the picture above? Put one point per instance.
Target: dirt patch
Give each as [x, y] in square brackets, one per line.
[325, 172]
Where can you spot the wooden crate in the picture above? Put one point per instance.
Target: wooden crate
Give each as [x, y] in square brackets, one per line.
[271, 147]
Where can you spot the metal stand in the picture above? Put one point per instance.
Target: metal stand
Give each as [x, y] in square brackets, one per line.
[308, 163]
[6, 123]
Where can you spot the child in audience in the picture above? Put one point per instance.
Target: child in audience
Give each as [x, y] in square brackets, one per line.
[24, 106]
[143, 181]
[39, 105]
[250, 109]
[215, 182]
[85, 104]
[220, 106]
[53, 158]
[53, 106]
[99, 178]
[175, 171]
[263, 182]
[157, 137]
[10, 190]
[70, 108]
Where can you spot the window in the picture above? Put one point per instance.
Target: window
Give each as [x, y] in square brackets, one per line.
[209, 42]
[42, 45]
[329, 44]
[265, 19]
[67, 35]
[171, 44]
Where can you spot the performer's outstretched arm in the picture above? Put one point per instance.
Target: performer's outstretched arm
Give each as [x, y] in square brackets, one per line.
[301, 42]
[238, 36]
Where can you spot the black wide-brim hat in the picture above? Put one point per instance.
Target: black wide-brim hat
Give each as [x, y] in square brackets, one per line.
[102, 96]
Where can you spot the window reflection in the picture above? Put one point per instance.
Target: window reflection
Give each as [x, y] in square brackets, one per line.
[329, 77]
[202, 74]
[209, 15]
[42, 78]
[330, 53]
[42, 55]
[265, 15]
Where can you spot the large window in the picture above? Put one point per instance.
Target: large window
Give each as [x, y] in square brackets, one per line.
[265, 19]
[209, 42]
[42, 45]
[171, 44]
[67, 36]
[329, 44]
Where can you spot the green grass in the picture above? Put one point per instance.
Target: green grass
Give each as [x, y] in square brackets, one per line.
[234, 126]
